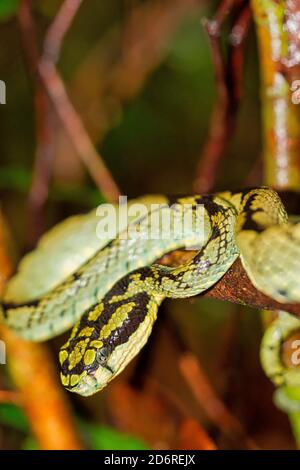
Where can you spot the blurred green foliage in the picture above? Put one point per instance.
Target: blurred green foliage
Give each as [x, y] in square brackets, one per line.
[7, 8]
[96, 436]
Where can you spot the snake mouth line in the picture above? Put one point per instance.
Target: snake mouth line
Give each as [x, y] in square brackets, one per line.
[93, 381]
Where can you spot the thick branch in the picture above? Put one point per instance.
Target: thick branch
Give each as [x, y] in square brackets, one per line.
[34, 374]
[278, 33]
[235, 286]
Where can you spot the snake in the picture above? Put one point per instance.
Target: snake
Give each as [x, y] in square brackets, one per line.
[108, 289]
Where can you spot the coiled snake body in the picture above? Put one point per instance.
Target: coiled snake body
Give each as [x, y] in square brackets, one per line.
[111, 290]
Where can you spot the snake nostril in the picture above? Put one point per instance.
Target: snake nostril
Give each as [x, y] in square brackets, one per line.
[282, 292]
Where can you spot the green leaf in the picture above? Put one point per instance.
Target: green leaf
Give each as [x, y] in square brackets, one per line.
[30, 443]
[12, 416]
[101, 437]
[8, 8]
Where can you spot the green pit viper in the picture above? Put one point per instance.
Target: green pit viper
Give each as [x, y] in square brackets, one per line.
[109, 289]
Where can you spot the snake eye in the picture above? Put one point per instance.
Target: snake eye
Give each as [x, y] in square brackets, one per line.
[102, 355]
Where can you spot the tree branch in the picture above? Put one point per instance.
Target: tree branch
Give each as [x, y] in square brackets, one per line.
[235, 286]
[35, 376]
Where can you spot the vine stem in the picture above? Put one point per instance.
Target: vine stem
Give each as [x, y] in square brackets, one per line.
[278, 30]
[280, 119]
[51, 102]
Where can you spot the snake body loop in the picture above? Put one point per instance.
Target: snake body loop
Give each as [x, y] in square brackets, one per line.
[112, 289]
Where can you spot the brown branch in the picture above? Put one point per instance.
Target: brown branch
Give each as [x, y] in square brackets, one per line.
[44, 154]
[120, 63]
[235, 286]
[50, 91]
[58, 29]
[228, 75]
[215, 409]
[118, 81]
[209, 402]
[8, 396]
[76, 131]
[145, 33]
[192, 435]
[45, 118]
[28, 36]
[35, 376]
[42, 398]
[64, 109]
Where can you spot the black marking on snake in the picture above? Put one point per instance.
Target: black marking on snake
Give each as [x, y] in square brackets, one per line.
[216, 233]
[62, 313]
[206, 200]
[250, 223]
[76, 276]
[119, 288]
[117, 337]
[11, 305]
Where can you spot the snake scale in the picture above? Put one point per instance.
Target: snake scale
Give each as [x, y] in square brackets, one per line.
[109, 290]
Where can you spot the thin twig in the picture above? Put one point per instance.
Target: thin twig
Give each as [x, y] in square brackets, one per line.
[215, 409]
[62, 105]
[208, 401]
[38, 193]
[58, 29]
[76, 131]
[53, 85]
[228, 82]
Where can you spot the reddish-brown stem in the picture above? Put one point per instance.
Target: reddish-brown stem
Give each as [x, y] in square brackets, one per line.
[228, 77]
[38, 193]
[58, 29]
[216, 410]
[8, 396]
[76, 131]
[50, 94]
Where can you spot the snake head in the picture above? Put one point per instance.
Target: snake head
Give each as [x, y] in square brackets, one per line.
[90, 374]
[106, 339]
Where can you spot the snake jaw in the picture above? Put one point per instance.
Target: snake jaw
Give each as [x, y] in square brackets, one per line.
[91, 383]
